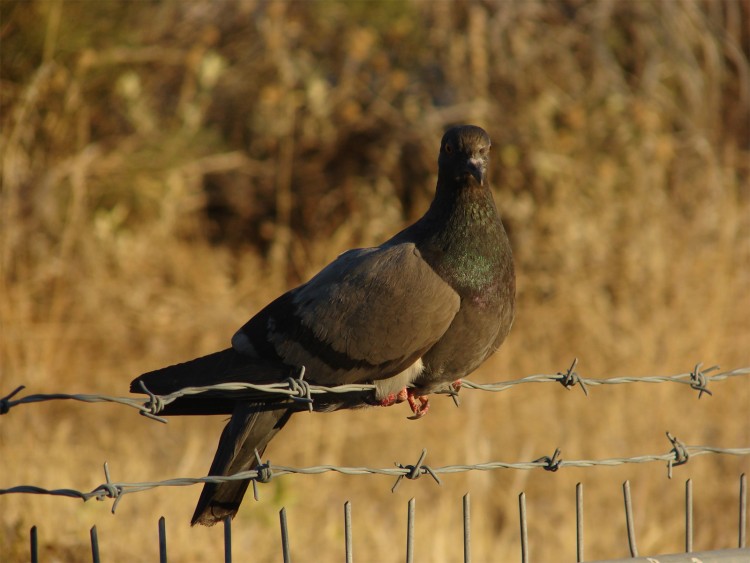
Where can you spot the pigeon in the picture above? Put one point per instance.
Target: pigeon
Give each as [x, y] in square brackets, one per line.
[411, 317]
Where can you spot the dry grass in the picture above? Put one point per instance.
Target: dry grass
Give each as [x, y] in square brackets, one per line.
[167, 168]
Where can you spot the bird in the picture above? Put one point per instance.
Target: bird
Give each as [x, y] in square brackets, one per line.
[411, 317]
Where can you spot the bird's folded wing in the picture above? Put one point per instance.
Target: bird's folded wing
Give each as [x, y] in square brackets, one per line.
[368, 315]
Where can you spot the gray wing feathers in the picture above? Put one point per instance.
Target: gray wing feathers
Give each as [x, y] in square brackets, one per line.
[376, 305]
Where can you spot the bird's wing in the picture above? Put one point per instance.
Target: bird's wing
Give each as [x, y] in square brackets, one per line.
[368, 315]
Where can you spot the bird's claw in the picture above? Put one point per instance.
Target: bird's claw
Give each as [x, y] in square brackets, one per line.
[419, 404]
[393, 398]
[388, 400]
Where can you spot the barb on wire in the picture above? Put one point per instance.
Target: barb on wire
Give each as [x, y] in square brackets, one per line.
[570, 378]
[415, 471]
[5, 401]
[109, 489]
[681, 454]
[265, 472]
[301, 391]
[153, 406]
[698, 379]
[143, 405]
[551, 463]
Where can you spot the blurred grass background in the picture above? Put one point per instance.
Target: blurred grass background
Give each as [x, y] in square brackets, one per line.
[169, 167]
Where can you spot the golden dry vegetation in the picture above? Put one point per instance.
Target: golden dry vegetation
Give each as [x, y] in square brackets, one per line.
[168, 167]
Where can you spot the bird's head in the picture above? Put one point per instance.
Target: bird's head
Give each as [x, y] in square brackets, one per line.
[464, 153]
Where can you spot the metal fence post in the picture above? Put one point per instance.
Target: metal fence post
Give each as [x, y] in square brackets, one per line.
[629, 519]
[467, 528]
[688, 516]
[34, 545]
[284, 536]
[579, 522]
[348, 532]
[524, 529]
[94, 545]
[410, 531]
[228, 539]
[743, 511]
[162, 540]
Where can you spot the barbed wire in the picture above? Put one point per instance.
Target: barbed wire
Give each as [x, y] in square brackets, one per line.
[302, 392]
[265, 472]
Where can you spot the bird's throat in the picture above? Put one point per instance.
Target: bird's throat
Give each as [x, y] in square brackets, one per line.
[465, 240]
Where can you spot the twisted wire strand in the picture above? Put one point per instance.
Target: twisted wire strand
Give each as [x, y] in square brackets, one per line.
[697, 379]
[679, 454]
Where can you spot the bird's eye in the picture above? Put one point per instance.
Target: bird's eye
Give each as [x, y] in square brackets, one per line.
[448, 148]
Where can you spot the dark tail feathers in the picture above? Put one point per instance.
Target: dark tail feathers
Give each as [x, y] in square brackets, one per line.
[220, 367]
[256, 418]
[250, 429]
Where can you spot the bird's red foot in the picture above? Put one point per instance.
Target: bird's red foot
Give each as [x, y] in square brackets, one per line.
[393, 398]
[456, 385]
[419, 404]
[388, 400]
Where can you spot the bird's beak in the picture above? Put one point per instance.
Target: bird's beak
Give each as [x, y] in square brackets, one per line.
[475, 167]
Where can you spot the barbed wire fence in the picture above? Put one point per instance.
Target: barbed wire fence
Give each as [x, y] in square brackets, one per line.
[303, 393]
[265, 472]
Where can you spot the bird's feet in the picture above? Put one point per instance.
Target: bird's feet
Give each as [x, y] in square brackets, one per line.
[419, 404]
[393, 398]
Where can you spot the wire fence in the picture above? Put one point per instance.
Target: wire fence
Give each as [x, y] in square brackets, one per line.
[304, 393]
[728, 555]
[300, 390]
[265, 472]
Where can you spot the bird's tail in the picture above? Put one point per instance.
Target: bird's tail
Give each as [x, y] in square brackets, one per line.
[250, 429]
[256, 417]
[226, 366]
